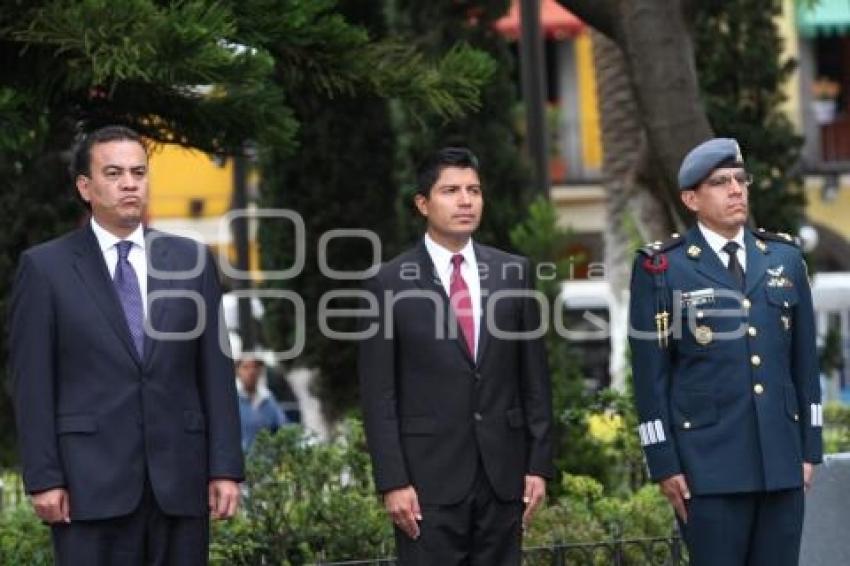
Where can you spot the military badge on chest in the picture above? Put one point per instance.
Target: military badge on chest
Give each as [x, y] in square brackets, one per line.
[777, 278]
[697, 298]
[694, 302]
[703, 335]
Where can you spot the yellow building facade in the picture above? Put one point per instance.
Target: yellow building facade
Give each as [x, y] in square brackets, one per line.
[187, 183]
[191, 192]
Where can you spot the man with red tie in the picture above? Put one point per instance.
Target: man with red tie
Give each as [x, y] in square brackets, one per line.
[455, 384]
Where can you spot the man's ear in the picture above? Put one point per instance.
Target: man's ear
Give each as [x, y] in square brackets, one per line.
[421, 202]
[689, 198]
[82, 183]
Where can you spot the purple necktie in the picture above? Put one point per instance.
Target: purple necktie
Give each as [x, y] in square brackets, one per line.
[127, 285]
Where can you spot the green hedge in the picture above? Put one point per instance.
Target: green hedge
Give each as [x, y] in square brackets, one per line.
[836, 428]
[311, 501]
[315, 501]
[23, 538]
[307, 501]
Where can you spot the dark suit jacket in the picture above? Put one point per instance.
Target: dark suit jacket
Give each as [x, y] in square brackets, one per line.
[95, 418]
[431, 411]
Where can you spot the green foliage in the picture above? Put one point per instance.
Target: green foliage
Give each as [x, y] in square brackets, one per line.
[309, 502]
[211, 75]
[615, 460]
[836, 428]
[583, 513]
[306, 502]
[33, 209]
[343, 174]
[23, 538]
[742, 75]
[111, 42]
[832, 356]
[141, 63]
[434, 27]
[341, 177]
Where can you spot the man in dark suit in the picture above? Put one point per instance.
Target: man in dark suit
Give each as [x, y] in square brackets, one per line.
[726, 371]
[125, 402]
[455, 384]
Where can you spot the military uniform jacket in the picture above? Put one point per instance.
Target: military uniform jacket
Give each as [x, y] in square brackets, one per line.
[730, 395]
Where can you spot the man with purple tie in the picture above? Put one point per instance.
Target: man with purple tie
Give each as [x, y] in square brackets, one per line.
[455, 383]
[124, 398]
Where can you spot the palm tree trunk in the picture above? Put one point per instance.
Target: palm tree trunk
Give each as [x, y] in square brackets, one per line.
[631, 210]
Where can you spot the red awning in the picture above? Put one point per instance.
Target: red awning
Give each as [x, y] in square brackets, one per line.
[557, 22]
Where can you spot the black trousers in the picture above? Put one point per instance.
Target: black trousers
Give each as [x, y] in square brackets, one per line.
[480, 530]
[745, 529]
[145, 537]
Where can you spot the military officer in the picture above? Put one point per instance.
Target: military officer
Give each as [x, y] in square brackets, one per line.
[725, 371]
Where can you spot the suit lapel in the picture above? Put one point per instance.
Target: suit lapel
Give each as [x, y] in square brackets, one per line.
[488, 285]
[91, 268]
[707, 261]
[429, 280]
[158, 261]
[757, 262]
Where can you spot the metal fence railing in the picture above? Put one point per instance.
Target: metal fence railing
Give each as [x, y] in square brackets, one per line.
[660, 551]
[616, 551]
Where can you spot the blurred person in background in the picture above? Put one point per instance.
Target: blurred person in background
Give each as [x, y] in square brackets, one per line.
[258, 408]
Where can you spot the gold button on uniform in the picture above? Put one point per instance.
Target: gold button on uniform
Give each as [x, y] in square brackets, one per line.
[796, 417]
[756, 360]
[686, 424]
[746, 303]
[758, 388]
[752, 331]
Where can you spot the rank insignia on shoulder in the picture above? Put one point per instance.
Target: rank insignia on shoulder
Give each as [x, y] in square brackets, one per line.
[694, 251]
[656, 248]
[761, 245]
[784, 237]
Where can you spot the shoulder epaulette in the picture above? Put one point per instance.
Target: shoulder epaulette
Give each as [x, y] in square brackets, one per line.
[652, 249]
[782, 237]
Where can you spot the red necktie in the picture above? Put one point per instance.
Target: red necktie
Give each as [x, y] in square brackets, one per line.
[462, 303]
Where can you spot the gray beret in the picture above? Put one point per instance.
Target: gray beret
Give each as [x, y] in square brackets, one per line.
[704, 158]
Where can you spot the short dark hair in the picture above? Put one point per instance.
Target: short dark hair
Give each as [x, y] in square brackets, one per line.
[429, 170]
[81, 155]
[247, 357]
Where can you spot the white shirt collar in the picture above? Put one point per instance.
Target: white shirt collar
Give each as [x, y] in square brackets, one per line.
[107, 239]
[716, 241]
[261, 393]
[442, 257]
